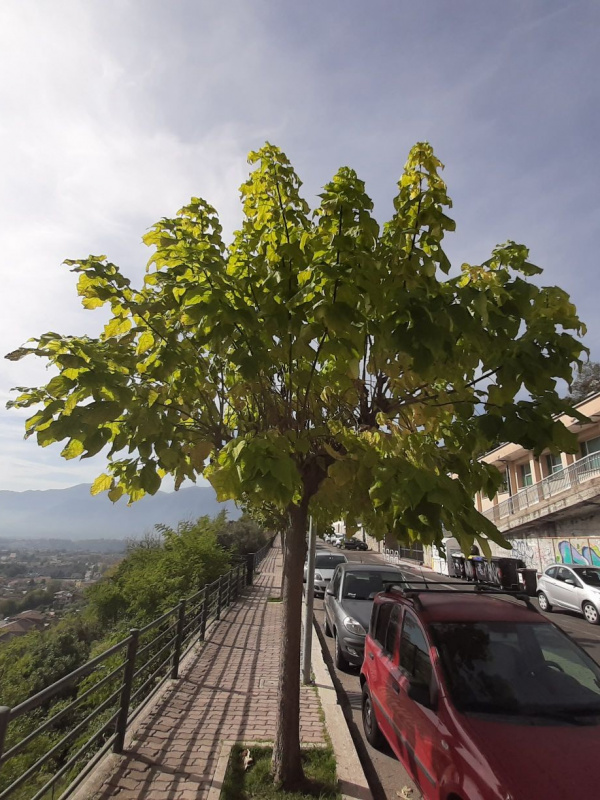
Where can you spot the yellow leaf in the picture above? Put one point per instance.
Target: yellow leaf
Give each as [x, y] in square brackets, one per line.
[145, 342]
[101, 484]
[73, 449]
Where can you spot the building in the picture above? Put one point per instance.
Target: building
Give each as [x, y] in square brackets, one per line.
[549, 507]
[21, 624]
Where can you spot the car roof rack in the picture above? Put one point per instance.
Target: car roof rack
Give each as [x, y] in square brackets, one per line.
[477, 589]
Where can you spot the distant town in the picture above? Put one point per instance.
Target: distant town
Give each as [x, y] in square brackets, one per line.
[41, 579]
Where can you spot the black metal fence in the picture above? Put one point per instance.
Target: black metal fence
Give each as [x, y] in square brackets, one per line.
[107, 694]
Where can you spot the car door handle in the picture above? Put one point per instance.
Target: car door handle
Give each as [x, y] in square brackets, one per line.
[371, 656]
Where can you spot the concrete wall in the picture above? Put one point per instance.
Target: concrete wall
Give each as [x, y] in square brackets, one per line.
[572, 541]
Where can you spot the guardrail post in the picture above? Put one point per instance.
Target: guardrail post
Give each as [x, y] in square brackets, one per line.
[249, 568]
[219, 597]
[126, 692]
[178, 640]
[4, 717]
[229, 589]
[204, 616]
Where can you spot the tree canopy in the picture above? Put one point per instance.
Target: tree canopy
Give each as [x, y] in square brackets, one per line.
[314, 355]
[318, 362]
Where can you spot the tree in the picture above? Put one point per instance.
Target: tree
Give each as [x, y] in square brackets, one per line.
[317, 364]
[586, 382]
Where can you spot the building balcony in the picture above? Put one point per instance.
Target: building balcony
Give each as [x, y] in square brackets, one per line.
[566, 492]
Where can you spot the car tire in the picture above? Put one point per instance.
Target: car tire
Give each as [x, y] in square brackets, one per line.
[371, 728]
[341, 662]
[590, 612]
[328, 631]
[544, 602]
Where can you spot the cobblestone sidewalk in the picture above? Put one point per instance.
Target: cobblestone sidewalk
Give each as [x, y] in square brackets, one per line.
[227, 692]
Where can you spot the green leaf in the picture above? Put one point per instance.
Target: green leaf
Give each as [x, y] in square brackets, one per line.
[150, 479]
[115, 494]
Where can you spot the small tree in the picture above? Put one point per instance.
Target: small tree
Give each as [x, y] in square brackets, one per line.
[318, 364]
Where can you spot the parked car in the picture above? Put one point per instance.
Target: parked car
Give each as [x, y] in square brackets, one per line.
[353, 544]
[337, 539]
[576, 588]
[348, 601]
[480, 697]
[325, 564]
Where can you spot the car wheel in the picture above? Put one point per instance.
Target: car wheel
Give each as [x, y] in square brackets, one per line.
[328, 631]
[341, 661]
[543, 601]
[590, 612]
[372, 732]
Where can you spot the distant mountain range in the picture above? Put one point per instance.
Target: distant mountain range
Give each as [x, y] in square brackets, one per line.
[74, 513]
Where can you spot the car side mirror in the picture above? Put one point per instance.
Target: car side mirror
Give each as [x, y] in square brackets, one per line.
[570, 581]
[330, 591]
[420, 693]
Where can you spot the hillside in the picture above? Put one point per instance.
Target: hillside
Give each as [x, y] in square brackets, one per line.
[74, 513]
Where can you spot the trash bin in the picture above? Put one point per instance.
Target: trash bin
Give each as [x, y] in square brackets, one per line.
[528, 580]
[470, 570]
[458, 566]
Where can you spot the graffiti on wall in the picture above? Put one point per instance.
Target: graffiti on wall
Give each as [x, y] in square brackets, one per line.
[523, 549]
[578, 551]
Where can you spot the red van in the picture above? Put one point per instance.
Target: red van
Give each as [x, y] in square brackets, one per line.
[481, 697]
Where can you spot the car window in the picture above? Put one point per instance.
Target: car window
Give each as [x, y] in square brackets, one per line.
[336, 582]
[414, 652]
[551, 573]
[521, 669]
[380, 623]
[589, 575]
[393, 631]
[329, 561]
[562, 574]
[365, 585]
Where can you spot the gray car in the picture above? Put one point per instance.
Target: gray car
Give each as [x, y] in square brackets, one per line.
[348, 602]
[325, 564]
[576, 588]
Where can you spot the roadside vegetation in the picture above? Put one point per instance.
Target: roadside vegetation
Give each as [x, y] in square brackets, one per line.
[256, 782]
[156, 572]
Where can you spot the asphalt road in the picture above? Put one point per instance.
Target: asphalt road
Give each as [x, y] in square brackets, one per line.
[384, 772]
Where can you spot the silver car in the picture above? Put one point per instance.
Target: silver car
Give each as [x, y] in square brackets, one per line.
[325, 564]
[576, 588]
[348, 604]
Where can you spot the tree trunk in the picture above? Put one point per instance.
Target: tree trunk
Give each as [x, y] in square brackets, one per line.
[287, 764]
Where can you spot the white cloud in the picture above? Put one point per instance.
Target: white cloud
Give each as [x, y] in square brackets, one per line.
[115, 112]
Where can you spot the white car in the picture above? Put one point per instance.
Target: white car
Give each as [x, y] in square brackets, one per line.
[576, 588]
[325, 564]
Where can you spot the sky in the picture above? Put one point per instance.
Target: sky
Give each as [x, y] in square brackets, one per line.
[113, 113]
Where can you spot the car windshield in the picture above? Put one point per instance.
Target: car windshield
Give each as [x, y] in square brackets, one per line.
[365, 585]
[517, 669]
[589, 575]
[329, 562]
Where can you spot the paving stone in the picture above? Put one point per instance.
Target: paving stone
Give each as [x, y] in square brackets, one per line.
[228, 691]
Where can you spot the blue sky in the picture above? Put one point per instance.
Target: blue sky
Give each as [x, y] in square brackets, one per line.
[114, 113]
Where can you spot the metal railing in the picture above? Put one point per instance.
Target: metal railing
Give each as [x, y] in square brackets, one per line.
[570, 477]
[111, 690]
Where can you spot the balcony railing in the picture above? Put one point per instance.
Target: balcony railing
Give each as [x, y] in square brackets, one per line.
[572, 476]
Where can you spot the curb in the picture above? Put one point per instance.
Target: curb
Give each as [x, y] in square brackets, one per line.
[351, 777]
